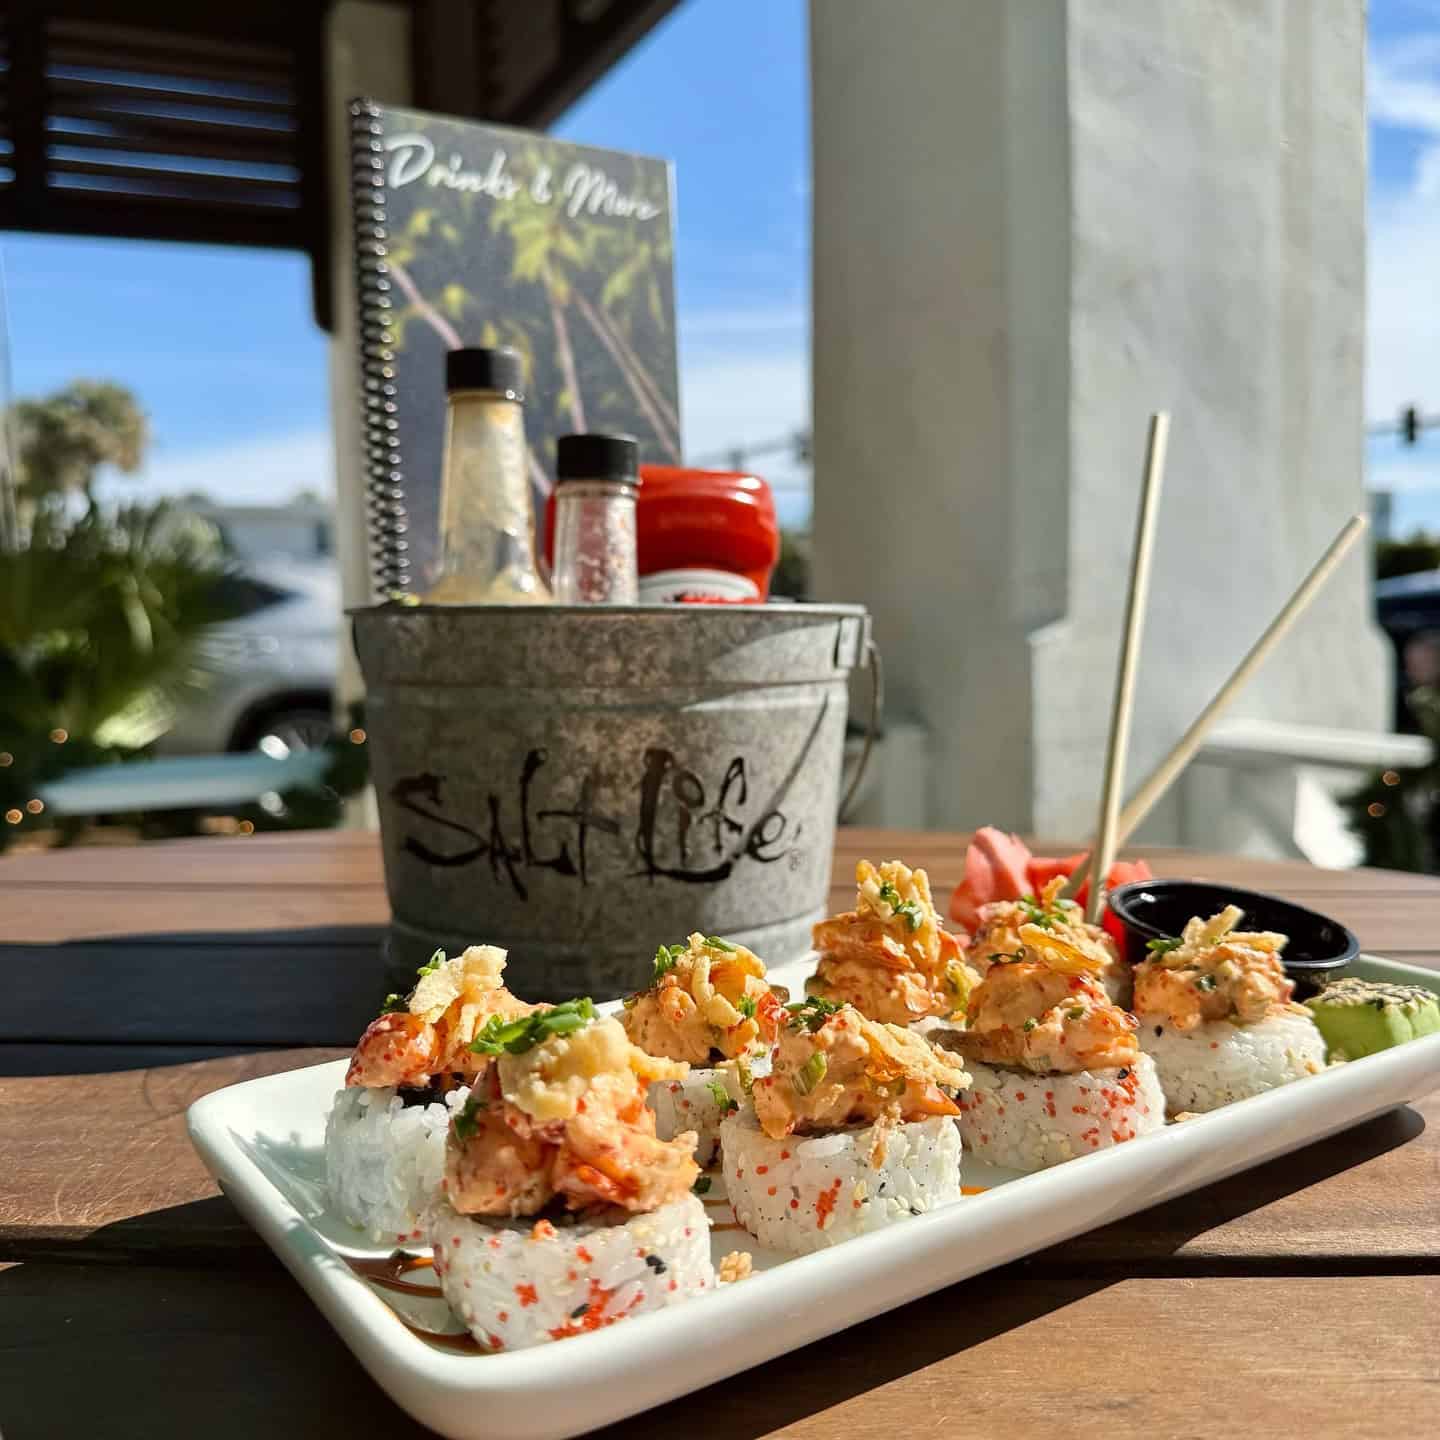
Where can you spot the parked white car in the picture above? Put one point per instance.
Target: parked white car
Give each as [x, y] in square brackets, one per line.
[268, 676]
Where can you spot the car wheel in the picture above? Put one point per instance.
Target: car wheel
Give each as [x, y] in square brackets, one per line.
[291, 731]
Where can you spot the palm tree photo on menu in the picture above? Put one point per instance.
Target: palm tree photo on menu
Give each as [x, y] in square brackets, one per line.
[499, 237]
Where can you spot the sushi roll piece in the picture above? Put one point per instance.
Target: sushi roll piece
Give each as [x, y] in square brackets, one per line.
[561, 1210]
[998, 936]
[1361, 1017]
[1057, 1071]
[409, 1074]
[1216, 1015]
[890, 957]
[852, 1129]
[708, 1004]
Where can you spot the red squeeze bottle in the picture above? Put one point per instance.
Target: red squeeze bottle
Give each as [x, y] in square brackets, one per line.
[700, 520]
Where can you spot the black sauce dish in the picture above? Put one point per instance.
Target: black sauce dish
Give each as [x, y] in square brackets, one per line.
[1318, 950]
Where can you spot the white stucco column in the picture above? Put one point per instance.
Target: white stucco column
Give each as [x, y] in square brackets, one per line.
[368, 54]
[1034, 223]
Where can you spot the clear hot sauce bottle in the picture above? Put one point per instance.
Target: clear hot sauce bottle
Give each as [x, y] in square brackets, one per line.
[487, 519]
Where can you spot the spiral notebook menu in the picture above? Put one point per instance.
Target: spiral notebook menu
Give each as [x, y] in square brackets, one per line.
[470, 234]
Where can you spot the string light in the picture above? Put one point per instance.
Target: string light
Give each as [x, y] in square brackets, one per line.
[6, 758]
[59, 736]
[357, 736]
[1375, 810]
[35, 807]
[14, 816]
[247, 827]
[1390, 777]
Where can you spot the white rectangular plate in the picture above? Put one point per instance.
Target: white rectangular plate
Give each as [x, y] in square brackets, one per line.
[263, 1142]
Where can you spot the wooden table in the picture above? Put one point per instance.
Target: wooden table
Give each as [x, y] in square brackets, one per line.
[1299, 1298]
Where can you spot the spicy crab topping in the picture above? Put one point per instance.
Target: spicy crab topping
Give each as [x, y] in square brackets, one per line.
[1212, 971]
[889, 956]
[998, 936]
[833, 1067]
[427, 1034]
[563, 1113]
[1043, 1008]
[708, 1001]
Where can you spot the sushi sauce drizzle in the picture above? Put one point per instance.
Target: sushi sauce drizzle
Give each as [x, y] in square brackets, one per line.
[463, 1343]
[389, 1273]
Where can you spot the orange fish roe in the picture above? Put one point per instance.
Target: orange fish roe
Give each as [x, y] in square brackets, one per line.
[502, 1316]
[784, 1154]
[1019, 1094]
[526, 1296]
[824, 1207]
[543, 1230]
[770, 1190]
[581, 1253]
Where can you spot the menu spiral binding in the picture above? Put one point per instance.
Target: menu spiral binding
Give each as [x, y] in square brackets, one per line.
[386, 514]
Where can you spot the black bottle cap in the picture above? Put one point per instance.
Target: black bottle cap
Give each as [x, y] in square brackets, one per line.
[598, 457]
[477, 369]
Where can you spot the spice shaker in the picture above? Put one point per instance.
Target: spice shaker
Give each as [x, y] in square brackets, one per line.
[487, 519]
[598, 478]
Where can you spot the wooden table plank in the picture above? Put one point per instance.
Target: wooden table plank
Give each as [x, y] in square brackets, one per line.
[98, 1161]
[168, 1354]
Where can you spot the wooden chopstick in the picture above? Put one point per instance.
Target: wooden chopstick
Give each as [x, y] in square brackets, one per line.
[1123, 709]
[1168, 770]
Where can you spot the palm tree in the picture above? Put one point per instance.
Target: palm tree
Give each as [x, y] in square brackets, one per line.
[62, 440]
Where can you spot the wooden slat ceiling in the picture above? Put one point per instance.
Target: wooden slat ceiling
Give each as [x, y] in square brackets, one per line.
[187, 120]
[165, 121]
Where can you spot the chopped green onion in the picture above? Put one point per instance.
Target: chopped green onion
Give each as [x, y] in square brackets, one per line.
[908, 910]
[702, 1185]
[747, 1080]
[665, 958]
[1163, 947]
[466, 1125]
[811, 1012]
[1030, 1024]
[721, 1096]
[500, 1036]
[1078, 1013]
[746, 1006]
[810, 1074]
[394, 1004]
[1205, 982]
[436, 961]
[716, 943]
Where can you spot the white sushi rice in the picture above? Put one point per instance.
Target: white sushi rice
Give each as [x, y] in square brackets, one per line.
[384, 1160]
[806, 1192]
[516, 1283]
[1218, 1063]
[1019, 1120]
[692, 1104]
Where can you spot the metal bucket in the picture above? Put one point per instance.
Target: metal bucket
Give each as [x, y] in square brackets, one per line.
[583, 784]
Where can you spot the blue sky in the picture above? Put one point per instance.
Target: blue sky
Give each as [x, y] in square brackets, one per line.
[221, 349]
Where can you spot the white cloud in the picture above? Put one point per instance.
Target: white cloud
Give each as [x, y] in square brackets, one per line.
[264, 470]
[1403, 359]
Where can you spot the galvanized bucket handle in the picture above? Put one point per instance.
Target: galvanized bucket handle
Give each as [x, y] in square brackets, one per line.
[871, 661]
